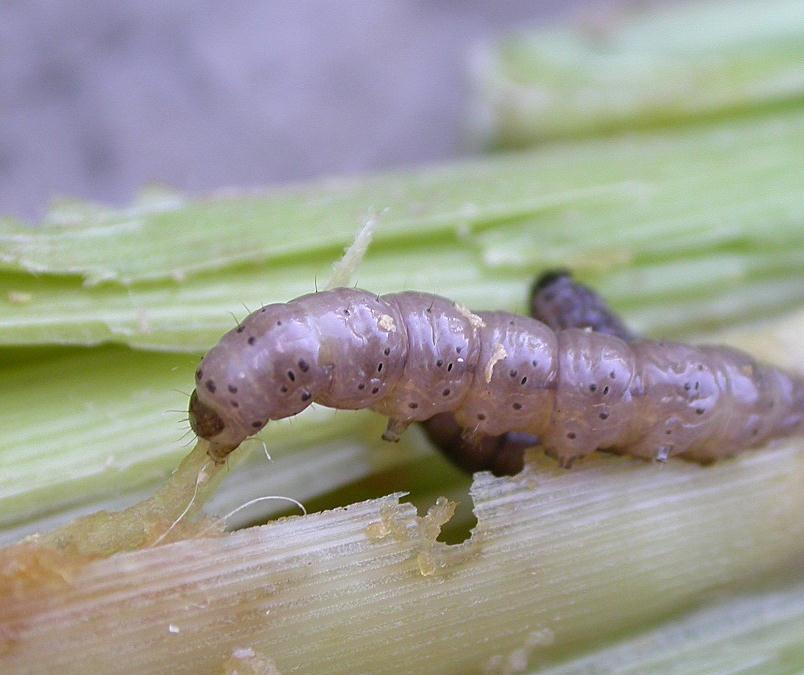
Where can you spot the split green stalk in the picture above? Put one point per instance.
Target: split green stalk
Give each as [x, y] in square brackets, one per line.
[637, 68]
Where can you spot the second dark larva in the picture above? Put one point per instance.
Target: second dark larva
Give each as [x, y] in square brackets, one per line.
[413, 355]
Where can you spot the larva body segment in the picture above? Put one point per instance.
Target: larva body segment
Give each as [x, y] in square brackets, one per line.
[598, 397]
[362, 347]
[412, 356]
[515, 382]
[442, 355]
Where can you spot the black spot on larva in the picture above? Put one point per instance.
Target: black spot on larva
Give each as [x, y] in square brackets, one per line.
[211, 386]
[699, 411]
[700, 367]
[517, 406]
[252, 340]
[387, 351]
[697, 385]
[284, 389]
[481, 416]
[379, 367]
[445, 392]
[234, 404]
[413, 406]
[511, 322]
[278, 323]
[346, 312]
[430, 309]
[262, 309]
[291, 376]
[199, 374]
[513, 373]
[232, 389]
[612, 375]
[439, 363]
[592, 387]
[256, 425]
[361, 386]
[303, 365]
[449, 367]
[241, 328]
[571, 435]
[669, 432]
[458, 350]
[534, 363]
[606, 389]
[375, 390]
[687, 386]
[524, 380]
[603, 415]
[306, 396]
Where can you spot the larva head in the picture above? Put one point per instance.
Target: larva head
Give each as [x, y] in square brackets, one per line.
[204, 421]
[265, 369]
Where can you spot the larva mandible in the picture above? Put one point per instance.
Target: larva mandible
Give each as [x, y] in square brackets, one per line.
[411, 356]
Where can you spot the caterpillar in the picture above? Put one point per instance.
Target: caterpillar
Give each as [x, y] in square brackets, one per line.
[413, 356]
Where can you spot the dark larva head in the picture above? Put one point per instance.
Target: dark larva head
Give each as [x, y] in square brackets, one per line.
[548, 278]
[205, 422]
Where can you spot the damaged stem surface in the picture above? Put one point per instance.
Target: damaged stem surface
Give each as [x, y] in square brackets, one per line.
[557, 559]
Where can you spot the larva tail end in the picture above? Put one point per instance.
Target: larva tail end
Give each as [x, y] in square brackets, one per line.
[502, 455]
[550, 277]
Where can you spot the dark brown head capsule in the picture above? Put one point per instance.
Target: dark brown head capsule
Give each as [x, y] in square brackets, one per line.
[204, 421]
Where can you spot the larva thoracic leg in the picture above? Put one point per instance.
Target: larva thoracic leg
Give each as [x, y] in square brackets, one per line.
[412, 355]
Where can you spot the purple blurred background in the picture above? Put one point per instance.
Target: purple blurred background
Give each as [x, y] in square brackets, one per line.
[98, 98]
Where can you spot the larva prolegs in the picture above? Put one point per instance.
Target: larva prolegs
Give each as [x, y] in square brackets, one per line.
[394, 429]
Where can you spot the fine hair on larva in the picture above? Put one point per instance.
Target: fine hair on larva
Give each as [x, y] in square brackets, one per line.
[412, 356]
